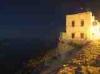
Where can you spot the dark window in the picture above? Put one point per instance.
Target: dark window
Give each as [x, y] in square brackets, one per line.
[82, 35]
[92, 33]
[82, 23]
[73, 35]
[94, 23]
[73, 23]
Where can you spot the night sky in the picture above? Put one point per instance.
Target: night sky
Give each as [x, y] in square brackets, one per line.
[38, 18]
[33, 20]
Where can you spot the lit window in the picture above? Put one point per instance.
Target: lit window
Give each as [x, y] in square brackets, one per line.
[73, 35]
[73, 23]
[82, 35]
[82, 23]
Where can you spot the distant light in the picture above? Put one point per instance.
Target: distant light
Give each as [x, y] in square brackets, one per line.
[64, 65]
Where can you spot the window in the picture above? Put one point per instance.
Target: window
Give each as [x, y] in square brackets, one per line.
[73, 23]
[73, 35]
[82, 23]
[82, 35]
[94, 23]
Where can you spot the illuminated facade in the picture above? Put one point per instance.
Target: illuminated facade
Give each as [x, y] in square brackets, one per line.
[81, 26]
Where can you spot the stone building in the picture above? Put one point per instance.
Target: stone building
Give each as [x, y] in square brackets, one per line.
[81, 26]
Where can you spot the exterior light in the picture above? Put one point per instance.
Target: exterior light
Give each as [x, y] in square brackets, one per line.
[95, 31]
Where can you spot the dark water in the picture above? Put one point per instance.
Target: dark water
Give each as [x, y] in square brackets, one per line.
[14, 52]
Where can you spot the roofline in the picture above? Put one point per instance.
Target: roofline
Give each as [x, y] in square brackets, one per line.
[74, 13]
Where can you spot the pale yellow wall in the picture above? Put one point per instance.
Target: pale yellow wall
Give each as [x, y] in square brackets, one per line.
[90, 31]
[87, 17]
[63, 35]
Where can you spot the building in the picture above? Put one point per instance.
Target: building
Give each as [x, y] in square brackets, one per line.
[81, 26]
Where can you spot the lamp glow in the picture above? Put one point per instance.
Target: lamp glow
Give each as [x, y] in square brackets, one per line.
[95, 32]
